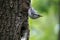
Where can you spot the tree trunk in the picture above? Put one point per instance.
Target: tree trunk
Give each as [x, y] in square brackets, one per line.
[13, 19]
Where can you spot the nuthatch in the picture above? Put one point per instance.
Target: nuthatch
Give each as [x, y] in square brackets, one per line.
[33, 13]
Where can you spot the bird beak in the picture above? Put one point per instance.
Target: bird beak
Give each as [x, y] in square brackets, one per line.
[40, 15]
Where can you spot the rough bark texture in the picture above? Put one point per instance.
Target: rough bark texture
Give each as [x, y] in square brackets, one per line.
[13, 19]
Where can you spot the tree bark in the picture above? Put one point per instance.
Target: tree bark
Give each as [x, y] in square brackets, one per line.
[13, 19]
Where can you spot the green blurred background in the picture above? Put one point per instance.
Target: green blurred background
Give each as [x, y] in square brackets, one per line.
[46, 27]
